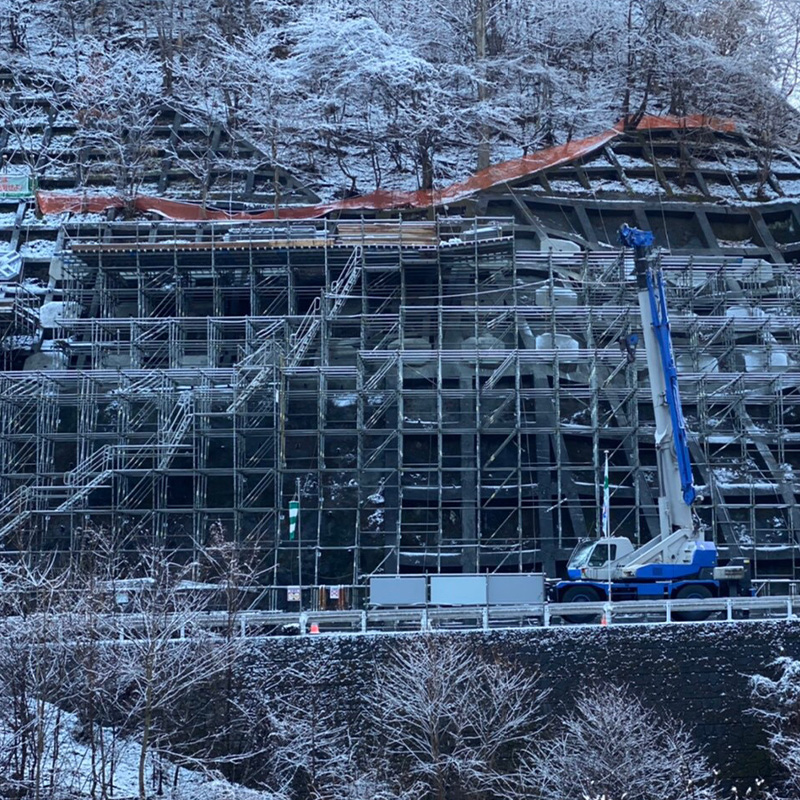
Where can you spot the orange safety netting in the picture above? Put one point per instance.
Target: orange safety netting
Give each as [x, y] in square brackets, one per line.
[383, 200]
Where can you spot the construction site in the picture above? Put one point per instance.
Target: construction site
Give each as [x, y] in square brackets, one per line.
[436, 379]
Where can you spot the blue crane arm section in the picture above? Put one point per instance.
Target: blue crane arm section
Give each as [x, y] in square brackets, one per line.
[642, 243]
[658, 306]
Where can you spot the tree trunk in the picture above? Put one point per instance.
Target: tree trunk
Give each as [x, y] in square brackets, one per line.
[276, 184]
[148, 710]
[426, 162]
[484, 148]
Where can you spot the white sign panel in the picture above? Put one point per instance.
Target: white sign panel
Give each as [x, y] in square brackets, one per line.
[398, 590]
[458, 590]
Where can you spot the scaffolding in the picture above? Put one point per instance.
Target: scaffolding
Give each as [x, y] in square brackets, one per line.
[435, 396]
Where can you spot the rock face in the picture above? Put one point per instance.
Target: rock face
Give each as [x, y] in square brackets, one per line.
[697, 673]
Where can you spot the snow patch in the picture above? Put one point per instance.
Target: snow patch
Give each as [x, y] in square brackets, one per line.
[345, 400]
[38, 248]
[72, 774]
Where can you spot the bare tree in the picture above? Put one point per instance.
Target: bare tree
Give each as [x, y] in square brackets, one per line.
[99, 592]
[34, 648]
[16, 19]
[447, 722]
[26, 122]
[612, 746]
[105, 671]
[202, 106]
[167, 665]
[776, 702]
[111, 95]
[295, 735]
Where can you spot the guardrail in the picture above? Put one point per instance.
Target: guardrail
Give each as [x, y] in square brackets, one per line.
[546, 615]
[260, 624]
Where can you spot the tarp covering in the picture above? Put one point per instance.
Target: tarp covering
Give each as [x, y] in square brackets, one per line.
[383, 200]
[82, 203]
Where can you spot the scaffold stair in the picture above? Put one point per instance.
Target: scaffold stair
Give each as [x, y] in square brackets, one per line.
[178, 425]
[384, 370]
[345, 283]
[97, 470]
[501, 370]
[300, 341]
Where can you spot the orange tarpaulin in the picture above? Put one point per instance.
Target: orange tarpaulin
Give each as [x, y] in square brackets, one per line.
[83, 203]
[382, 199]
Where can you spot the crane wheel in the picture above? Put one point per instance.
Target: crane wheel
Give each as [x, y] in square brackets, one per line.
[692, 593]
[580, 594]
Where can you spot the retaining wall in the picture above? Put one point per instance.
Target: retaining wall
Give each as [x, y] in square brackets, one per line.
[697, 672]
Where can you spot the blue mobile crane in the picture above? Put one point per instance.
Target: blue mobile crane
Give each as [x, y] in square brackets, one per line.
[679, 562]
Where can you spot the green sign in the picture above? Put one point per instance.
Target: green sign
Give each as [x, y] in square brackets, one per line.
[16, 185]
[294, 512]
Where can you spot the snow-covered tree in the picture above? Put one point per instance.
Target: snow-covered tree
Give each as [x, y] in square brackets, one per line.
[776, 702]
[357, 94]
[292, 734]
[25, 122]
[783, 20]
[17, 18]
[448, 722]
[111, 95]
[262, 98]
[167, 665]
[37, 627]
[612, 746]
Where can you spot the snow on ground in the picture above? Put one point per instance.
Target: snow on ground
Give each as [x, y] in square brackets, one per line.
[50, 221]
[91, 218]
[632, 162]
[7, 219]
[648, 186]
[791, 188]
[742, 164]
[567, 187]
[608, 185]
[723, 190]
[68, 760]
[781, 167]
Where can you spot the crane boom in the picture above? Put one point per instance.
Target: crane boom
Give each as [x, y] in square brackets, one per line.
[677, 492]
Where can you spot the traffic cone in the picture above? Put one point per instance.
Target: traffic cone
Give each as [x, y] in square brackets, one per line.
[603, 620]
[314, 628]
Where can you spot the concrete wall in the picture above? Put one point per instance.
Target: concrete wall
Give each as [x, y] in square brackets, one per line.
[698, 673]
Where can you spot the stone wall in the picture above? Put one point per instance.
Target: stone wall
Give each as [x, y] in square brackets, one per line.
[697, 672]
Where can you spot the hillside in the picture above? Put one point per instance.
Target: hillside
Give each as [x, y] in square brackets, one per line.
[354, 96]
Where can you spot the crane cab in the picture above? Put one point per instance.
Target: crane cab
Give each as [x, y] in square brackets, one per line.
[596, 554]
